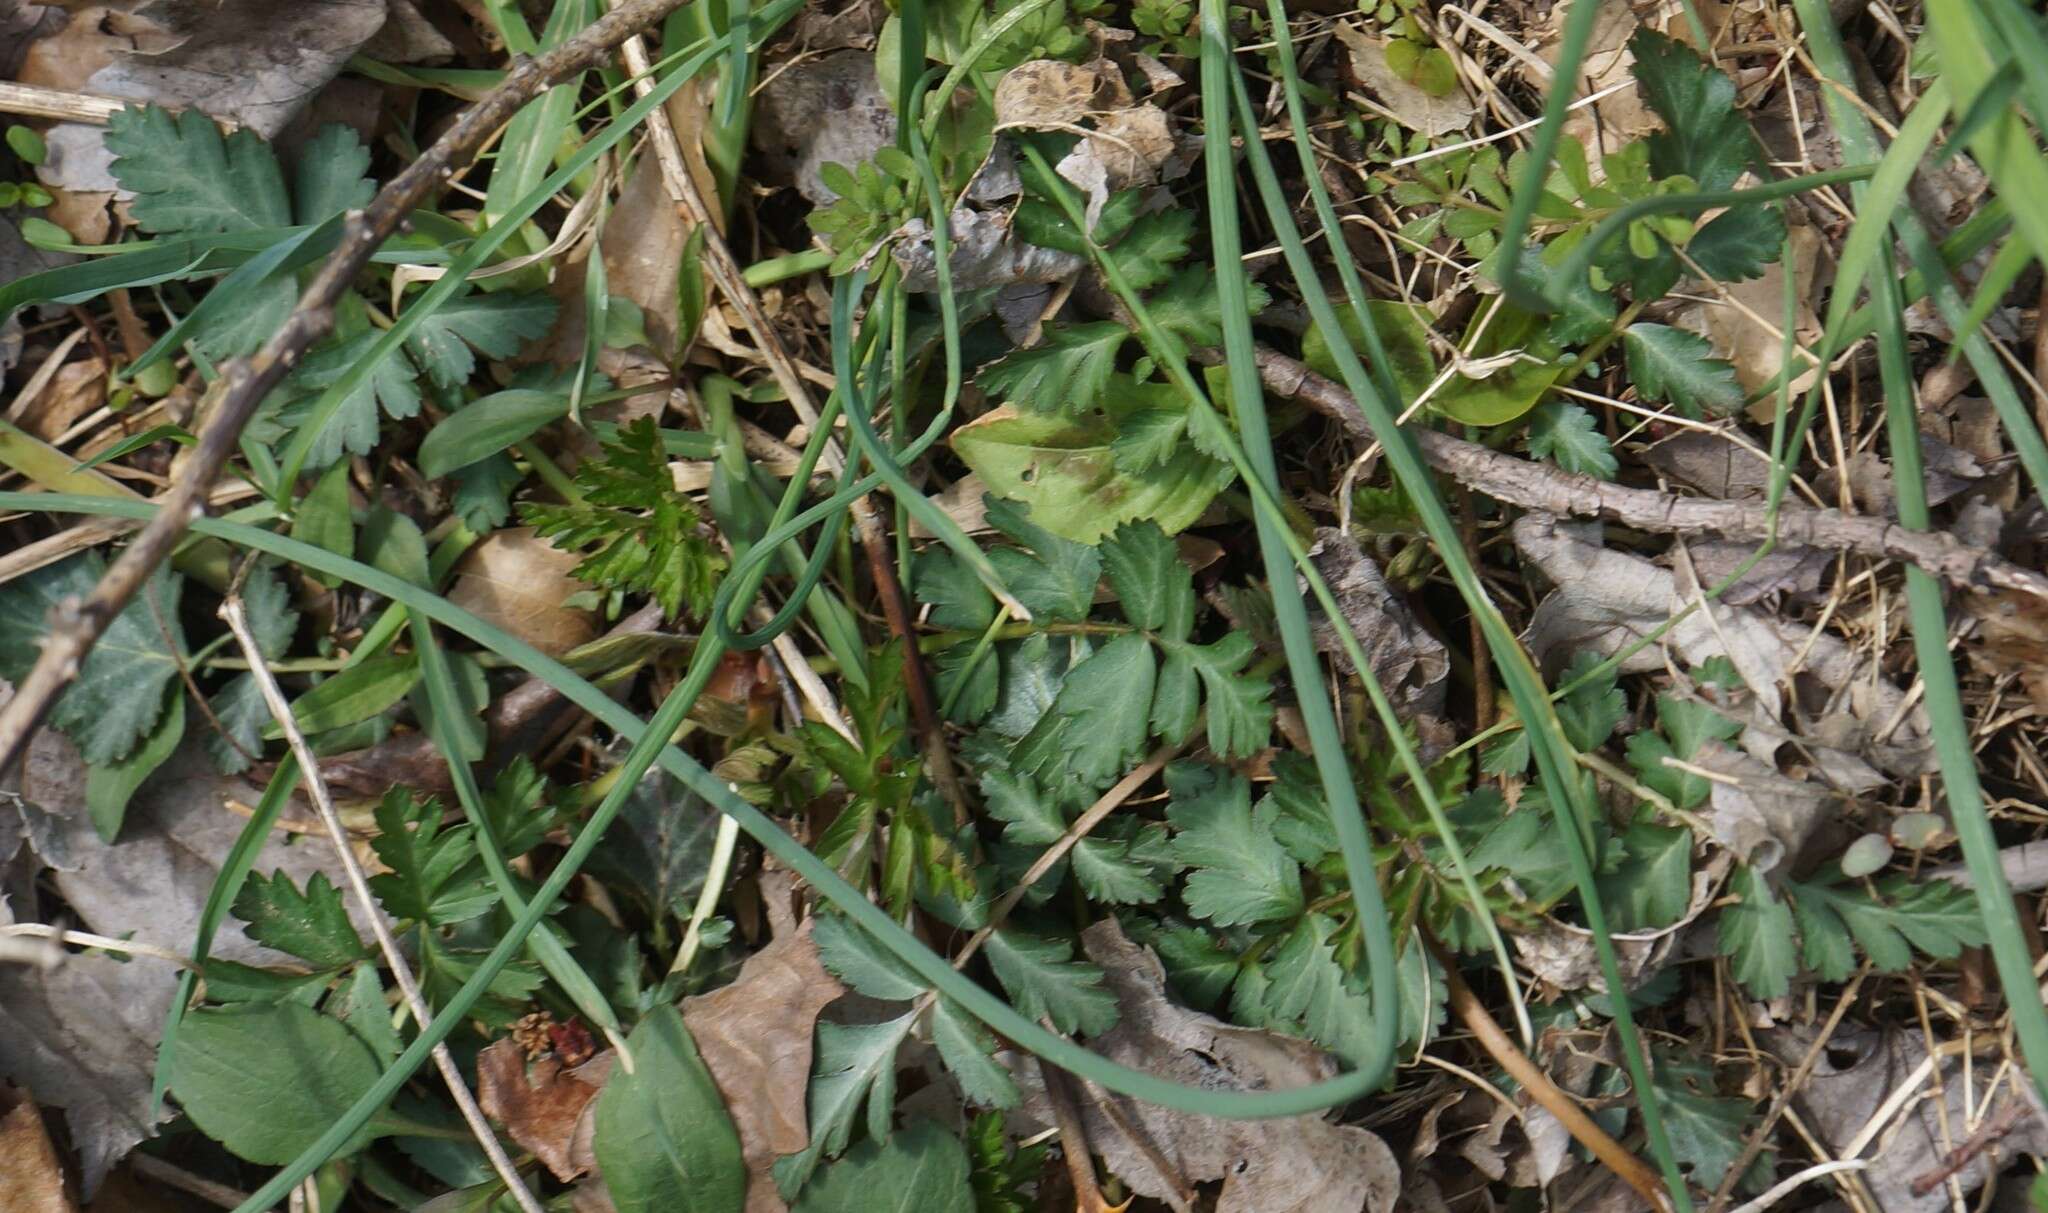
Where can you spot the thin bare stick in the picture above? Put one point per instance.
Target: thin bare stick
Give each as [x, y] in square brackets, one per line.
[77, 625]
[1547, 1094]
[33, 101]
[359, 888]
[1538, 486]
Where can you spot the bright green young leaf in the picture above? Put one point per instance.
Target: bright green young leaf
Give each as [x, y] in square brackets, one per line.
[1064, 376]
[1404, 331]
[644, 532]
[312, 925]
[1756, 934]
[663, 1139]
[1241, 875]
[1707, 137]
[1567, 435]
[1067, 471]
[921, 1168]
[487, 425]
[853, 1064]
[1044, 981]
[118, 696]
[266, 1080]
[186, 178]
[1671, 364]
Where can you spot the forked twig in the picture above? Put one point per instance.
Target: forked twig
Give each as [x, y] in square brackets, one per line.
[359, 888]
[78, 624]
[1539, 486]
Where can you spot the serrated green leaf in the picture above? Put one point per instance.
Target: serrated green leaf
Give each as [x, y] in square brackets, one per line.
[1057, 580]
[239, 709]
[1097, 723]
[1148, 251]
[1033, 820]
[1756, 933]
[1591, 712]
[109, 787]
[187, 179]
[968, 1050]
[1652, 884]
[1240, 707]
[1707, 138]
[1044, 981]
[312, 925]
[1187, 306]
[1688, 725]
[1739, 242]
[663, 1138]
[853, 1063]
[497, 325]
[1241, 875]
[1113, 870]
[1064, 376]
[329, 175]
[855, 958]
[435, 874]
[352, 429]
[118, 697]
[1708, 1132]
[920, 1167]
[1154, 587]
[1567, 435]
[1671, 364]
[1148, 438]
[1938, 918]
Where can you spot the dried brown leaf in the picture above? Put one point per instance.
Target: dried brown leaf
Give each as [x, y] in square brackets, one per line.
[1303, 1164]
[518, 582]
[755, 1037]
[1409, 662]
[31, 1177]
[1410, 105]
[546, 1107]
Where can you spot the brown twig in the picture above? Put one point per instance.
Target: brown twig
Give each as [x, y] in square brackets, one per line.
[1547, 1094]
[244, 382]
[1538, 486]
[1987, 1135]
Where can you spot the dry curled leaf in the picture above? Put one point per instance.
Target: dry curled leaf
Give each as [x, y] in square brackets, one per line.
[1052, 94]
[546, 1107]
[1409, 662]
[755, 1038]
[1303, 1164]
[31, 1178]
